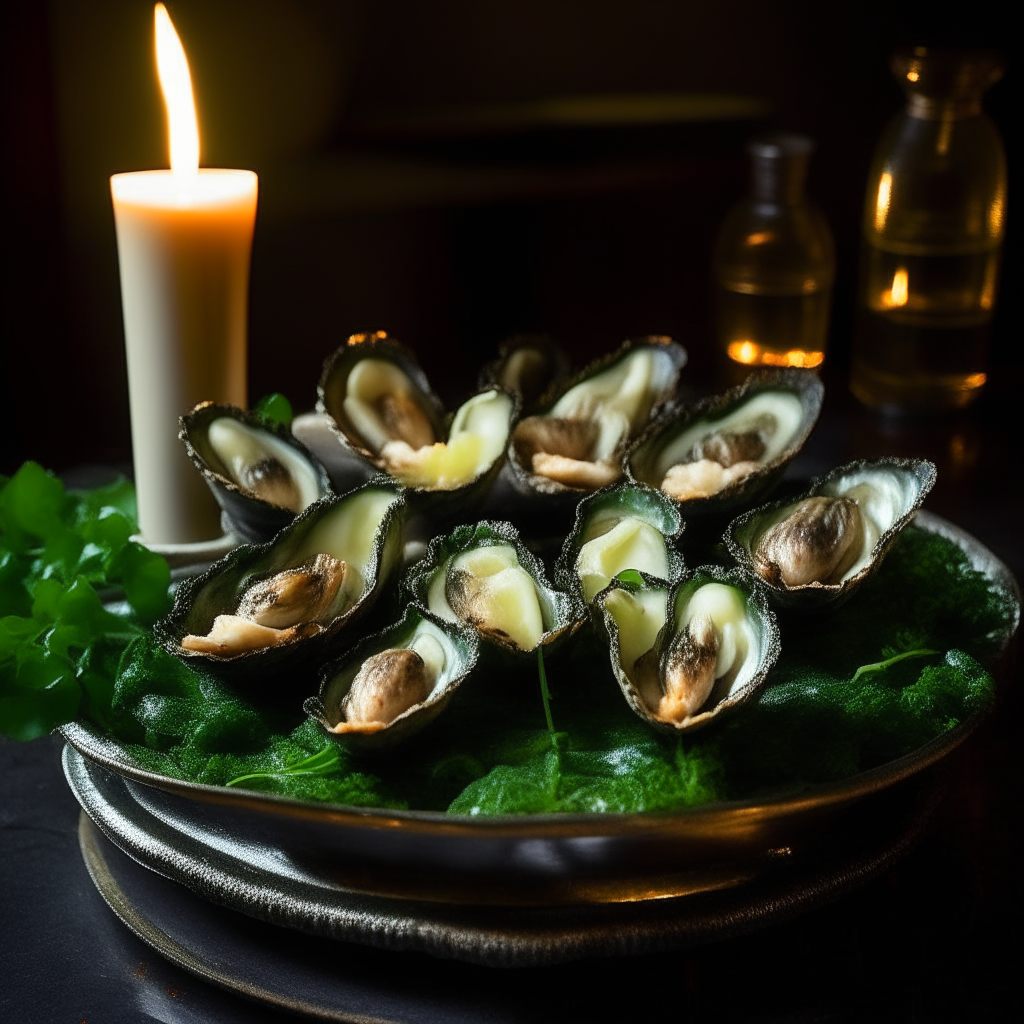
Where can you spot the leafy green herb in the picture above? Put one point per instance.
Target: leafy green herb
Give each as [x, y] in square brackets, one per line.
[322, 763]
[58, 549]
[878, 666]
[275, 408]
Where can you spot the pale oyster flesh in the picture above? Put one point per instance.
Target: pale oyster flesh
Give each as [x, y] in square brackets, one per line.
[328, 576]
[394, 682]
[713, 646]
[488, 589]
[477, 438]
[830, 538]
[614, 542]
[263, 464]
[580, 441]
[381, 404]
[710, 455]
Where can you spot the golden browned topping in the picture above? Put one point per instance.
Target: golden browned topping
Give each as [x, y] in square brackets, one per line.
[817, 542]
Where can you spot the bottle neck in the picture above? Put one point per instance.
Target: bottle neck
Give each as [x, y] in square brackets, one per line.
[933, 108]
[778, 181]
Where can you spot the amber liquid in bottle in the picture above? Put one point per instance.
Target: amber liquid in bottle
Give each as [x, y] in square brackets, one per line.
[774, 265]
[933, 227]
[928, 355]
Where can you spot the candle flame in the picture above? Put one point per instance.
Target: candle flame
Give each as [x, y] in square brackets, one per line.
[176, 84]
[899, 291]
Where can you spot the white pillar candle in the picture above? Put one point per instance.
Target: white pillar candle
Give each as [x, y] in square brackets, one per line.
[184, 242]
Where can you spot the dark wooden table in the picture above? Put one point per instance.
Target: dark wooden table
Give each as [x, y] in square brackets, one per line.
[934, 938]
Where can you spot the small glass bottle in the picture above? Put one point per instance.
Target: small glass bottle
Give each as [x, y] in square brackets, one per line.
[775, 264]
[933, 226]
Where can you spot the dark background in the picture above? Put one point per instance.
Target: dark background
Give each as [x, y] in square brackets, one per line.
[379, 210]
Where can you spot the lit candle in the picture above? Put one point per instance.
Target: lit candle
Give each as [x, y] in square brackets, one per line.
[184, 242]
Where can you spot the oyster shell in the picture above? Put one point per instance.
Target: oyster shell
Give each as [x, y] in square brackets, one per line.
[485, 577]
[261, 475]
[528, 366]
[626, 526]
[816, 549]
[729, 449]
[393, 683]
[382, 408]
[578, 442]
[270, 606]
[686, 656]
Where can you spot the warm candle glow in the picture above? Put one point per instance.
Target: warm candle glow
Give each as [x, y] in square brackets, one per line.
[882, 201]
[751, 354]
[176, 84]
[898, 293]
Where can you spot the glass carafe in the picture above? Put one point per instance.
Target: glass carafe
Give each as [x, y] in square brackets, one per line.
[933, 226]
[775, 264]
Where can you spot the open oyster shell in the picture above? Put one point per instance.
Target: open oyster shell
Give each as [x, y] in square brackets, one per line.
[577, 443]
[529, 366]
[484, 576]
[393, 683]
[382, 408]
[815, 550]
[270, 607]
[261, 476]
[625, 526]
[685, 656]
[728, 450]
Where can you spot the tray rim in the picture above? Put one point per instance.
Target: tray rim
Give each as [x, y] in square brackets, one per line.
[709, 818]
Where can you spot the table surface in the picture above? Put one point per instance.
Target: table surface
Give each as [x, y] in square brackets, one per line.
[925, 941]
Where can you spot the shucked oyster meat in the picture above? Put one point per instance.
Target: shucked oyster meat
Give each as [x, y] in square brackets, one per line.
[260, 474]
[390, 683]
[382, 405]
[488, 589]
[710, 456]
[284, 606]
[580, 441]
[483, 576]
[393, 683]
[682, 659]
[726, 449]
[263, 464]
[817, 542]
[625, 527]
[817, 547]
[264, 606]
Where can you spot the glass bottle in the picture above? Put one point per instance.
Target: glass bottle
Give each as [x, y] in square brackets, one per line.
[933, 226]
[775, 263]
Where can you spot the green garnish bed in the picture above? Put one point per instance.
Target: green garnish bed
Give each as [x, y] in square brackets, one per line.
[897, 666]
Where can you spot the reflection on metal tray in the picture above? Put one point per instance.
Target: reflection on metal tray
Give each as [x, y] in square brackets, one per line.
[266, 883]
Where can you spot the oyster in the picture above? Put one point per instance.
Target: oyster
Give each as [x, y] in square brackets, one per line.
[527, 366]
[816, 549]
[626, 526]
[485, 577]
[683, 657]
[577, 444]
[261, 475]
[382, 408]
[264, 606]
[393, 683]
[729, 449]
